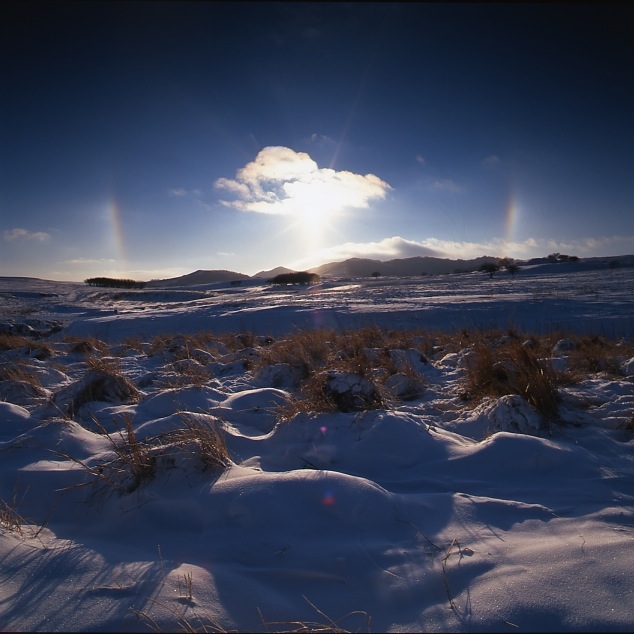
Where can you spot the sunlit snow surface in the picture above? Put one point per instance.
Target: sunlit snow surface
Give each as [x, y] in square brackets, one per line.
[432, 515]
[598, 301]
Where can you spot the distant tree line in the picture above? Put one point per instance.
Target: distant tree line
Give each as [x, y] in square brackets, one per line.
[491, 268]
[114, 283]
[303, 277]
[562, 257]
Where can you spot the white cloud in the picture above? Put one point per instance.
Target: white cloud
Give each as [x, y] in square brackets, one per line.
[588, 247]
[322, 140]
[281, 181]
[532, 247]
[11, 235]
[386, 249]
[181, 192]
[447, 185]
[89, 261]
[397, 247]
[420, 159]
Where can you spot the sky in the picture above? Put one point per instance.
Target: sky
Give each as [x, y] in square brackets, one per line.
[148, 140]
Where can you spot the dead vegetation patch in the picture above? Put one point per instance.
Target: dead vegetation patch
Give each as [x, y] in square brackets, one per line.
[510, 367]
[96, 385]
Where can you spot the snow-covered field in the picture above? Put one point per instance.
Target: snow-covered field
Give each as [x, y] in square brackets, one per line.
[423, 509]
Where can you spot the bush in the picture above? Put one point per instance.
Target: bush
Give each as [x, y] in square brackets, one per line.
[113, 282]
[489, 267]
[303, 277]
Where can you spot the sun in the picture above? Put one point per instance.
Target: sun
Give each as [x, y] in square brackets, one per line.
[315, 215]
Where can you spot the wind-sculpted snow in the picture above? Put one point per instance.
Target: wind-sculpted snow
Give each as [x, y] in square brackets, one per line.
[168, 483]
[577, 302]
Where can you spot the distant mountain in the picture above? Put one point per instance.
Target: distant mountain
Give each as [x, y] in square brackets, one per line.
[273, 272]
[363, 267]
[199, 277]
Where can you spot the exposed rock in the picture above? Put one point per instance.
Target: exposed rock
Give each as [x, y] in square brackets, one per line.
[405, 387]
[512, 413]
[351, 392]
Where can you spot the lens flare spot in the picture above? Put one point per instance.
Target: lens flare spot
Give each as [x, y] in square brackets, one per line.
[328, 499]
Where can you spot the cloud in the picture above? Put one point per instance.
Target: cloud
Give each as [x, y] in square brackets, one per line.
[86, 261]
[446, 185]
[492, 161]
[181, 192]
[386, 249]
[588, 247]
[281, 181]
[420, 159]
[532, 247]
[396, 248]
[11, 235]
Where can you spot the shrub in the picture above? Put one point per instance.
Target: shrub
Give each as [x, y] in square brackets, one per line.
[302, 277]
[489, 267]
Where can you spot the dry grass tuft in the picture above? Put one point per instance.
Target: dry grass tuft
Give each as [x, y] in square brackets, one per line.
[38, 349]
[203, 437]
[184, 346]
[102, 385]
[19, 371]
[594, 355]
[88, 345]
[10, 519]
[204, 623]
[306, 352]
[133, 462]
[328, 625]
[511, 368]
[13, 342]
[134, 343]
[321, 358]
[185, 373]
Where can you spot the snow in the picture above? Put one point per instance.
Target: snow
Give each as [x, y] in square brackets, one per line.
[420, 512]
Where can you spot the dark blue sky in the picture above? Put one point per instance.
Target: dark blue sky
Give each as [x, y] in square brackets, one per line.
[150, 139]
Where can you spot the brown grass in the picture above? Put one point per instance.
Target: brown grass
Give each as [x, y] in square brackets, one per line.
[13, 342]
[103, 385]
[39, 349]
[135, 461]
[19, 371]
[595, 355]
[185, 375]
[511, 368]
[207, 439]
[306, 352]
[133, 464]
[10, 518]
[86, 345]
[364, 352]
